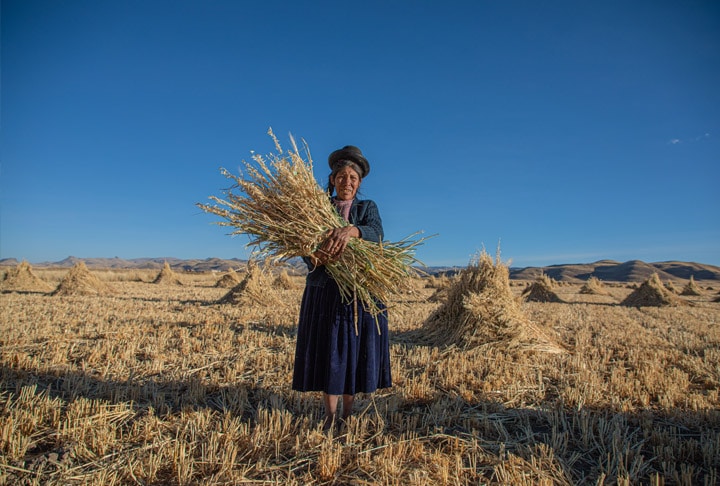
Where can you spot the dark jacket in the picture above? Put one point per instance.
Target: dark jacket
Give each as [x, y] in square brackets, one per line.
[364, 215]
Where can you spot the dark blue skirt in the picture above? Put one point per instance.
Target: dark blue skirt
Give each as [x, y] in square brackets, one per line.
[329, 357]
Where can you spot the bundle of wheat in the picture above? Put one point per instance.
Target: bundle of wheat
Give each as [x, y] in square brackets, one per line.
[287, 214]
[541, 291]
[651, 293]
[23, 279]
[228, 280]
[481, 310]
[691, 288]
[167, 276]
[593, 286]
[79, 281]
[255, 288]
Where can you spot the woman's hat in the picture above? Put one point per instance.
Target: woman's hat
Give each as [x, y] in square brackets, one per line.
[352, 153]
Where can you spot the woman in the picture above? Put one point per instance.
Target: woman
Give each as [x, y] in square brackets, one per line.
[329, 356]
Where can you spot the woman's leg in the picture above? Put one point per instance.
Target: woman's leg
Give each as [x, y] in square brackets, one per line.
[347, 405]
[331, 402]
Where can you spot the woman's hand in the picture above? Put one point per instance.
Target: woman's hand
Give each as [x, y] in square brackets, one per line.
[335, 243]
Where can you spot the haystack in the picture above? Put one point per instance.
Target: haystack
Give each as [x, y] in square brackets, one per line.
[228, 280]
[652, 293]
[255, 289]
[593, 286]
[671, 287]
[167, 276]
[79, 281]
[541, 291]
[283, 281]
[691, 288]
[481, 310]
[23, 279]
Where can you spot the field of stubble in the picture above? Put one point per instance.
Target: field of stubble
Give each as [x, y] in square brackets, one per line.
[160, 384]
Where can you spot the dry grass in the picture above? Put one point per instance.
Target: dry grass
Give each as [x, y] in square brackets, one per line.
[163, 385]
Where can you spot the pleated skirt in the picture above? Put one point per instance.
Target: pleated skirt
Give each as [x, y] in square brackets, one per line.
[329, 356]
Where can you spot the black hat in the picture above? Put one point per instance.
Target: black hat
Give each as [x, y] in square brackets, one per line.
[352, 153]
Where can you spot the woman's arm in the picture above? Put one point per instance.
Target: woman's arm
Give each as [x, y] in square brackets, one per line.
[336, 243]
[369, 222]
[368, 227]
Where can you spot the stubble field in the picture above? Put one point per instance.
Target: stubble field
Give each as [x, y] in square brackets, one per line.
[161, 384]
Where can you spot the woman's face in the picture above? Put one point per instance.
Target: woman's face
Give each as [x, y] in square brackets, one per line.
[346, 182]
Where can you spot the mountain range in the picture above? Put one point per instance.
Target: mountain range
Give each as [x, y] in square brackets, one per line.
[613, 271]
[607, 270]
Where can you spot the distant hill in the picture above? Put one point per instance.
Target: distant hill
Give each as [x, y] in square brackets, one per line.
[607, 270]
[610, 270]
[197, 265]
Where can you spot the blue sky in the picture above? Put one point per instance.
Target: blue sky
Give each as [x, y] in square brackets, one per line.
[564, 131]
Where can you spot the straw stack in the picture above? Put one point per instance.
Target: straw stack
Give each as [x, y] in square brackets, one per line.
[23, 279]
[79, 281]
[283, 281]
[254, 289]
[691, 288]
[167, 276]
[481, 310]
[652, 293]
[593, 286]
[228, 280]
[541, 291]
